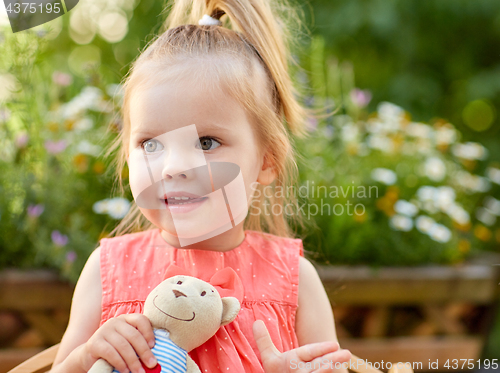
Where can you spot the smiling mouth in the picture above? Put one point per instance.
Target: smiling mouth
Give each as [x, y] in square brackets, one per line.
[175, 201]
[159, 309]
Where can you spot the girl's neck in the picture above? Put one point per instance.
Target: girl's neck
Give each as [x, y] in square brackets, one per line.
[223, 242]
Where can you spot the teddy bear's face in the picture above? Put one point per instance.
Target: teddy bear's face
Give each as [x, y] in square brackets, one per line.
[186, 307]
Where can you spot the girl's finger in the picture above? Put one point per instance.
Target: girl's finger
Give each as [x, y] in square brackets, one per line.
[333, 361]
[139, 344]
[314, 350]
[263, 339]
[142, 323]
[127, 353]
[109, 353]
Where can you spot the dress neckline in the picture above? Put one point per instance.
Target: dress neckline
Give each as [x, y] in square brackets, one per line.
[160, 241]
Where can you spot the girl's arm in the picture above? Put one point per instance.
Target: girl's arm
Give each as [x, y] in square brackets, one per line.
[117, 341]
[314, 320]
[84, 319]
[319, 350]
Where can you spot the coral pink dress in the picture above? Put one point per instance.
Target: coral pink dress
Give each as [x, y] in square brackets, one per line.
[133, 264]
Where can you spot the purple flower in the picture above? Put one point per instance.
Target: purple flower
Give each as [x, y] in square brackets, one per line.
[22, 139]
[360, 98]
[4, 115]
[58, 238]
[55, 147]
[311, 124]
[309, 101]
[62, 79]
[35, 210]
[71, 256]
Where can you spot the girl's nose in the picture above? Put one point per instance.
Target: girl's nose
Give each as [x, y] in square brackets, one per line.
[167, 176]
[175, 166]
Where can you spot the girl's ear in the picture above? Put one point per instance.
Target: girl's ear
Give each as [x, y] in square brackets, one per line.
[267, 174]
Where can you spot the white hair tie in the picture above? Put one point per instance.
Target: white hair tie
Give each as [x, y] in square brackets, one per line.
[206, 20]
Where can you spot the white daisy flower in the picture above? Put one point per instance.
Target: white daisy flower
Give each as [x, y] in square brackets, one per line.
[472, 182]
[435, 169]
[419, 130]
[426, 193]
[424, 223]
[470, 150]
[458, 213]
[86, 147]
[118, 207]
[101, 207]
[384, 175]
[405, 208]
[485, 216]
[493, 205]
[493, 174]
[439, 233]
[401, 223]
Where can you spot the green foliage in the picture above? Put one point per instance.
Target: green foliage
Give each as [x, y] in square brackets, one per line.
[385, 190]
[51, 175]
[431, 57]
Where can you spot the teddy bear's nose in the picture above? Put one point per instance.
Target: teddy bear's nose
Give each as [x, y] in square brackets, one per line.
[178, 293]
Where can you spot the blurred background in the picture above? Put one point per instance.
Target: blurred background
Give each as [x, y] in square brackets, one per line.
[413, 90]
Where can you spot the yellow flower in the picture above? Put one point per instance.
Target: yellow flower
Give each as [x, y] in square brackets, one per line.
[53, 126]
[463, 246]
[463, 227]
[386, 203]
[469, 164]
[99, 167]
[68, 124]
[483, 233]
[352, 149]
[81, 162]
[360, 218]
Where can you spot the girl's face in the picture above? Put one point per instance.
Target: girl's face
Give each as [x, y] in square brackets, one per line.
[162, 132]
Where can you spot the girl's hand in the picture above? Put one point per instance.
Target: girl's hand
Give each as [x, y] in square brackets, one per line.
[118, 341]
[316, 357]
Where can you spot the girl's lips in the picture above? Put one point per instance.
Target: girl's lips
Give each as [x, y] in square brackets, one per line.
[183, 204]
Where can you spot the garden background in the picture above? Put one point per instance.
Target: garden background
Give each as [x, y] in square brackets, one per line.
[415, 85]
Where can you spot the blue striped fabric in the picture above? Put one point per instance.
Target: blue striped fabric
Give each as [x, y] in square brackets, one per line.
[171, 357]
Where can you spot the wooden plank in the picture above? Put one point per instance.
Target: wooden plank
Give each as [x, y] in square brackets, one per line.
[9, 358]
[48, 327]
[416, 350]
[375, 323]
[362, 285]
[41, 290]
[39, 363]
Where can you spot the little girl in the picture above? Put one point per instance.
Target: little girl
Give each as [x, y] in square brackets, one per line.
[233, 85]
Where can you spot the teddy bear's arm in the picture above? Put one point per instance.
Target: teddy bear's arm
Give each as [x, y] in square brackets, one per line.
[101, 366]
[191, 366]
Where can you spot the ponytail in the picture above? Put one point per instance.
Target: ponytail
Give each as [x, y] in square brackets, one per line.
[261, 23]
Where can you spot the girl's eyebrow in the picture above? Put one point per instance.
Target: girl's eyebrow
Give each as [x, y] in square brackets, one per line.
[202, 127]
[211, 126]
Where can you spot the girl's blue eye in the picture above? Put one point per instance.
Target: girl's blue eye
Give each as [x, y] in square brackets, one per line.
[152, 145]
[208, 143]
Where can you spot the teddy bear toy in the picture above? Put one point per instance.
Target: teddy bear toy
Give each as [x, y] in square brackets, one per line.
[184, 312]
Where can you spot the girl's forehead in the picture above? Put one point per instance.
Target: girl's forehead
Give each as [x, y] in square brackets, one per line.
[178, 103]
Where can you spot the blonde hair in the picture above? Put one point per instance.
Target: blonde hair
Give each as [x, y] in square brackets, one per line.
[253, 39]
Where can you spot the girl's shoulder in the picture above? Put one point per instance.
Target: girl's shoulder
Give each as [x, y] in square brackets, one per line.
[143, 239]
[270, 243]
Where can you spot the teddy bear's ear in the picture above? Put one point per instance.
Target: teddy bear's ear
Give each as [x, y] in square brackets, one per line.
[174, 270]
[231, 307]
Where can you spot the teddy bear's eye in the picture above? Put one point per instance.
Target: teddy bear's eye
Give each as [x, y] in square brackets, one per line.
[203, 293]
[179, 282]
